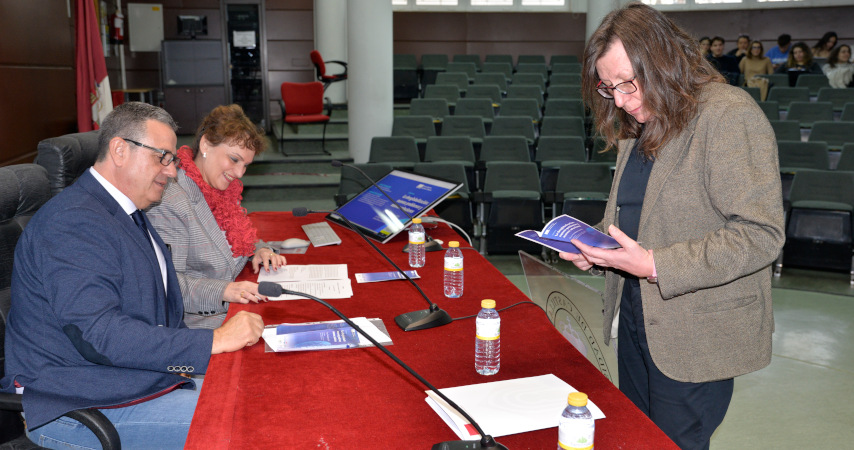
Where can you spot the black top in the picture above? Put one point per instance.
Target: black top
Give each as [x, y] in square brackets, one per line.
[631, 192]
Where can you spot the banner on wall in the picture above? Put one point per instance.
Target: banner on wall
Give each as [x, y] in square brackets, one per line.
[94, 100]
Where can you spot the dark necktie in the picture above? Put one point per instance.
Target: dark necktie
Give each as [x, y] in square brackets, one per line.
[139, 220]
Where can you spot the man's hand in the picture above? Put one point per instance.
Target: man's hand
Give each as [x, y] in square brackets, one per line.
[242, 330]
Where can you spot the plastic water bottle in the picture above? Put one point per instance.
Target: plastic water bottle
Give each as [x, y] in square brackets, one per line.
[487, 343]
[416, 243]
[577, 426]
[454, 270]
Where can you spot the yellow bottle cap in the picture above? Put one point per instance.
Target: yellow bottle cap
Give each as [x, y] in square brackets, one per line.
[578, 399]
[453, 244]
[416, 220]
[487, 303]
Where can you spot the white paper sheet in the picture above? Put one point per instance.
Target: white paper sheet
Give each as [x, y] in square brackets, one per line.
[507, 407]
[311, 272]
[325, 289]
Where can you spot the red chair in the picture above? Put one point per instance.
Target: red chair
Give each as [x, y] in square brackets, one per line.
[303, 103]
[320, 68]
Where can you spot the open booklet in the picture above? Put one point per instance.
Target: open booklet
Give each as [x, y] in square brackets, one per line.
[326, 281]
[558, 233]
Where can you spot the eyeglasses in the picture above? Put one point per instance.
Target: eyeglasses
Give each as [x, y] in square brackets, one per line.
[626, 87]
[166, 158]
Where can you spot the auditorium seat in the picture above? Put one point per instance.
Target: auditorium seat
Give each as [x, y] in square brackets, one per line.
[66, 157]
[353, 181]
[400, 152]
[511, 201]
[835, 134]
[807, 113]
[839, 97]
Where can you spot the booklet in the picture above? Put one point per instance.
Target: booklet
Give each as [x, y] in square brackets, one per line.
[290, 337]
[374, 277]
[311, 272]
[558, 233]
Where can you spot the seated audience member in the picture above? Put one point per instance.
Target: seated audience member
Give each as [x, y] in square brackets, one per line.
[742, 48]
[727, 65]
[201, 219]
[705, 43]
[96, 311]
[780, 54]
[825, 45]
[799, 62]
[753, 65]
[839, 69]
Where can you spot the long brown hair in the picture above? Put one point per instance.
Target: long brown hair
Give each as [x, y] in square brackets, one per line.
[668, 67]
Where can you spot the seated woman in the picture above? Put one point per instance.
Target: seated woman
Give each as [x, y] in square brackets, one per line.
[201, 219]
[799, 62]
[839, 69]
[825, 45]
[755, 64]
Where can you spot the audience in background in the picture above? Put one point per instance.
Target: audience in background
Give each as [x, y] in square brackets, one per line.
[825, 45]
[705, 43]
[799, 62]
[839, 69]
[742, 48]
[780, 54]
[755, 64]
[727, 65]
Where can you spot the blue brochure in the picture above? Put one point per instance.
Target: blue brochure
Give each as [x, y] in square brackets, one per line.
[373, 277]
[318, 336]
[558, 233]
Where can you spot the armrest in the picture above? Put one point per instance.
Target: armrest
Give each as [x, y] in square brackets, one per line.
[282, 106]
[481, 197]
[340, 63]
[92, 419]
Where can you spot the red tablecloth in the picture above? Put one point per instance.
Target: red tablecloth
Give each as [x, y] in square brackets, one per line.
[360, 398]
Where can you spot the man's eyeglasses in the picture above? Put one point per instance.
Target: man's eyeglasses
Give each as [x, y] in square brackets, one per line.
[626, 87]
[166, 158]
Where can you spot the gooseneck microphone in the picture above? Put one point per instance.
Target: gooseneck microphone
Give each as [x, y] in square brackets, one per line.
[416, 320]
[430, 245]
[486, 441]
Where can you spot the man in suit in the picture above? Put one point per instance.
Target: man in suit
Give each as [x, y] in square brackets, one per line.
[96, 309]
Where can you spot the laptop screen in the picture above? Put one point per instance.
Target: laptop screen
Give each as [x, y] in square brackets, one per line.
[379, 218]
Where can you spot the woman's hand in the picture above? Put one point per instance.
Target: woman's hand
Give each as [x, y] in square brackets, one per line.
[268, 258]
[631, 258]
[242, 292]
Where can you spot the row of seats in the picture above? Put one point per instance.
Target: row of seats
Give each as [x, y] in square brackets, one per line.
[410, 76]
[464, 81]
[785, 96]
[420, 128]
[452, 92]
[834, 134]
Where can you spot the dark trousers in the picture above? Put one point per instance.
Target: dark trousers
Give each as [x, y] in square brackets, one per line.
[687, 412]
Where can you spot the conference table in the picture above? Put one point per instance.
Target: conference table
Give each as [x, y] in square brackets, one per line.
[359, 398]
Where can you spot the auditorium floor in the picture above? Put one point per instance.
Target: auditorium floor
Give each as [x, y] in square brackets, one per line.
[799, 401]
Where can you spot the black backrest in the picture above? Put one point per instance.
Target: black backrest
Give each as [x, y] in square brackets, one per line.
[24, 189]
[67, 157]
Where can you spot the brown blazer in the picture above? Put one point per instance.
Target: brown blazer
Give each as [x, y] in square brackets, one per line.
[713, 216]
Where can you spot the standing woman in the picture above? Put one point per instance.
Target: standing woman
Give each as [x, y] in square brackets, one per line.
[202, 221]
[697, 208]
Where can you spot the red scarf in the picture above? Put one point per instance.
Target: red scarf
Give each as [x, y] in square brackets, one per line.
[225, 206]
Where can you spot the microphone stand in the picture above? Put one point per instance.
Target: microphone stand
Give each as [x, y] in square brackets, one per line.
[430, 245]
[411, 321]
[486, 441]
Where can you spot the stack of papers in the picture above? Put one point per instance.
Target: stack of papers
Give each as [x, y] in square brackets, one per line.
[329, 335]
[506, 407]
[325, 281]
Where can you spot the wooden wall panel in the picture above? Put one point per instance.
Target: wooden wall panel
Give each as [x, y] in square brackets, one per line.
[37, 103]
[37, 76]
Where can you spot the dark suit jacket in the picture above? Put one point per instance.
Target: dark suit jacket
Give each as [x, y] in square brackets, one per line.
[713, 216]
[90, 324]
